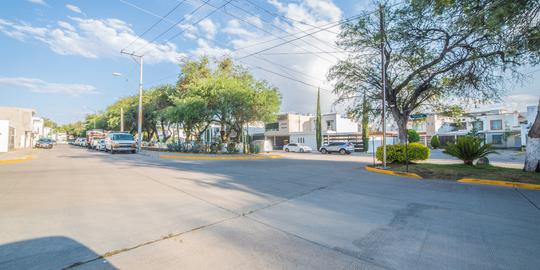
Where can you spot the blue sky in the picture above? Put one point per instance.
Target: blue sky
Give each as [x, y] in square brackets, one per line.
[58, 56]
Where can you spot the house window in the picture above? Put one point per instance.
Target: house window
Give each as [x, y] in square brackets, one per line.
[496, 124]
[301, 140]
[497, 139]
[478, 125]
[330, 125]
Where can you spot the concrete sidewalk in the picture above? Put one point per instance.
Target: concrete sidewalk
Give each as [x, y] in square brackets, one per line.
[17, 154]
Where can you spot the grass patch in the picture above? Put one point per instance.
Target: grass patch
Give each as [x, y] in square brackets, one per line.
[458, 171]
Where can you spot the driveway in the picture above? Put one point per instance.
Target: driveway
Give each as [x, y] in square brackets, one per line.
[73, 208]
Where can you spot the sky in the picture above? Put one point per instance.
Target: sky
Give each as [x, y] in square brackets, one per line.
[58, 56]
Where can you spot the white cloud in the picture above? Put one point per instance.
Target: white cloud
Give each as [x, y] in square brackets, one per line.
[40, 86]
[205, 49]
[38, 2]
[91, 38]
[209, 28]
[309, 68]
[73, 8]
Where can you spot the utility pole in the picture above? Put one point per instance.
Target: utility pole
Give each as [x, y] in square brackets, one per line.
[383, 81]
[122, 119]
[139, 120]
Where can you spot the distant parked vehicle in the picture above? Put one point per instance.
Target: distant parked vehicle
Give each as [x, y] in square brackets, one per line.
[82, 142]
[44, 143]
[297, 147]
[100, 145]
[338, 147]
[120, 142]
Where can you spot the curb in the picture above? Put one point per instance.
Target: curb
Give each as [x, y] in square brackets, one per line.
[219, 157]
[402, 174]
[499, 183]
[16, 160]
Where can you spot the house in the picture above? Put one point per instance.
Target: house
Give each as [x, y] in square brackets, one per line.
[19, 128]
[301, 128]
[498, 127]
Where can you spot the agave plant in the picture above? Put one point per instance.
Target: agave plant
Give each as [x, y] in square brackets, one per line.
[469, 148]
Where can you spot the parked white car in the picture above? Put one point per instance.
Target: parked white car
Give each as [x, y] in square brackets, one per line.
[339, 147]
[100, 145]
[297, 147]
[120, 142]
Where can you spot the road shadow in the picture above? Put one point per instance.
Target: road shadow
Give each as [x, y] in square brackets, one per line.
[53, 252]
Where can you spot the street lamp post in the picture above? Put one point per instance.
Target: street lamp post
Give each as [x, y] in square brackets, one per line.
[139, 120]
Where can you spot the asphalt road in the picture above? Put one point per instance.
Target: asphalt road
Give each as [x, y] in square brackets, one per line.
[74, 208]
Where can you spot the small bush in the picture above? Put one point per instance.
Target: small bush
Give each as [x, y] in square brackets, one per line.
[396, 153]
[412, 136]
[435, 142]
[254, 149]
[231, 148]
[469, 148]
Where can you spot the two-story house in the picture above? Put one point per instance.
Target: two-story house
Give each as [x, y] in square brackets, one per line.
[301, 128]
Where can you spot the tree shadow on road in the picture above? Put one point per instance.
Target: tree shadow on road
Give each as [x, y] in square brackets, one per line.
[53, 252]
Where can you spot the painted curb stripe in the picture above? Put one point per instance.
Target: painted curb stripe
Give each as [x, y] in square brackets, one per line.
[219, 157]
[17, 160]
[394, 173]
[499, 183]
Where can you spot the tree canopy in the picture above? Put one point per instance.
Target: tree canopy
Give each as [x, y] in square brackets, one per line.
[435, 50]
[226, 95]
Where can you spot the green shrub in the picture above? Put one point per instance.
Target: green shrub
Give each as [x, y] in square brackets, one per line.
[435, 142]
[231, 148]
[254, 149]
[396, 152]
[469, 148]
[412, 136]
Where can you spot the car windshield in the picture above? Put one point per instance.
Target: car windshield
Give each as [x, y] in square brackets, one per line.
[43, 140]
[122, 137]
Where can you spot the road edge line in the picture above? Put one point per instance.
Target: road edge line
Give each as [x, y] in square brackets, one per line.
[394, 173]
[15, 160]
[499, 183]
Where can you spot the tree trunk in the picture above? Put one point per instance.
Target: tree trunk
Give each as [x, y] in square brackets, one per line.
[532, 153]
[401, 121]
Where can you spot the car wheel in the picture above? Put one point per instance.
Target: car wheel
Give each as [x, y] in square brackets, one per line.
[112, 151]
[286, 149]
[343, 151]
[133, 151]
[301, 150]
[324, 151]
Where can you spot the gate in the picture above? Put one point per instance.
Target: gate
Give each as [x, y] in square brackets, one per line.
[11, 139]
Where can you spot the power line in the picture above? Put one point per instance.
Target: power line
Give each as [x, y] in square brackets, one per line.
[200, 20]
[287, 53]
[320, 29]
[285, 17]
[272, 34]
[298, 21]
[175, 24]
[155, 24]
[290, 78]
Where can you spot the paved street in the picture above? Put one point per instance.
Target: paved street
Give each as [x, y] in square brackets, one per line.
[70, 207]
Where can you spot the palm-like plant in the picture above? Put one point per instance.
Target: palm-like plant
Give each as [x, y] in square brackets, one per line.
[469, 148]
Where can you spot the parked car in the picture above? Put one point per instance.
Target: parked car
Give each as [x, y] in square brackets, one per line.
[100, 145]
[44, 143]
[339, 147]
[82, 142]
[120, 142]
[297, 147]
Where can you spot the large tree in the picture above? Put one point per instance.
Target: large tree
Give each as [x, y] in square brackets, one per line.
[532, 155]
[435, 50]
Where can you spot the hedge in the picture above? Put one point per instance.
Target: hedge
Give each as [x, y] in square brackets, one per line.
[396, 152]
